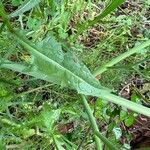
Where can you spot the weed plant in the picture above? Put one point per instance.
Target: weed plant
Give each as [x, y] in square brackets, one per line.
[47, 93]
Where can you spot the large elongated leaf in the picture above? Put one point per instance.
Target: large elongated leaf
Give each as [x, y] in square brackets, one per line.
[51, 64]
[26, 5]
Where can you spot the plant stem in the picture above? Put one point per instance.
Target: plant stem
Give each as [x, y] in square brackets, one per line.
[106, 141]
[126, 103]
[114, 61]
[92, 121]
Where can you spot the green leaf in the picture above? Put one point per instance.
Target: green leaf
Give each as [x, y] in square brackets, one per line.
[26, 133]
[111, 7]
[117, 132]
[123, 115]
[129, 121]
[26, 5]
[16, 2]
[33, 23]
[51, 64]
[49, 116]
[135, 98]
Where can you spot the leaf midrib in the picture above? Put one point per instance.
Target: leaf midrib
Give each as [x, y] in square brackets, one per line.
[33, 49]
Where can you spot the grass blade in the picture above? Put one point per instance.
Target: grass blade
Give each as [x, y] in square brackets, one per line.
[111, 7]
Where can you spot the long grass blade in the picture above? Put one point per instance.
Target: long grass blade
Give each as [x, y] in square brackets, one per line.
[111, 7]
